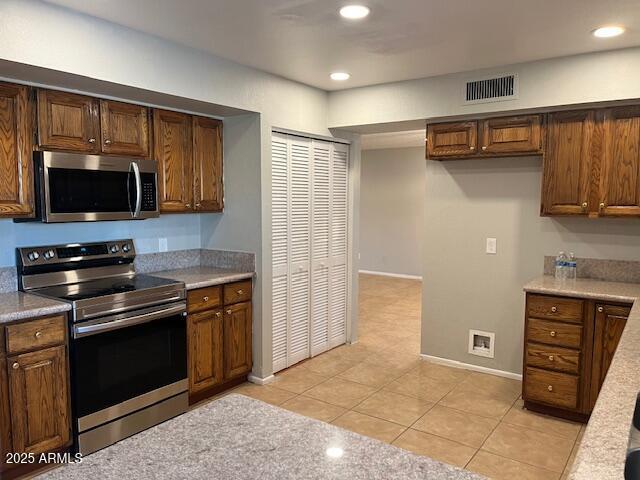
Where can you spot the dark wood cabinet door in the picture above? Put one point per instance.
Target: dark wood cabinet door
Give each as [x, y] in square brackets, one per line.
[567, 163]
[124, 128]
[454, 139]
[173, 152]
[207, 164]
[38, 391]
[16, 146]
[517, 135]
[610, 321]
[620, 175]
[204, 333]
[67, 121]
[237, 340]
[5, 418]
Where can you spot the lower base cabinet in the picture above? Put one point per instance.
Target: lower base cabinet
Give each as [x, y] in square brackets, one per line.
[219, 336]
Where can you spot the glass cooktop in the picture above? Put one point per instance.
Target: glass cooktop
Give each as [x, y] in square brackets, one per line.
[103, 287]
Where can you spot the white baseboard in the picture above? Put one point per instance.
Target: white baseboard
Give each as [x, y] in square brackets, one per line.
[261, 381]
[387, 274]
[469, 366]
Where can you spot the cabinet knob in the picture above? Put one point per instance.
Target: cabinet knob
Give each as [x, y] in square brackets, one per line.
[188, 205]
[107, 142]
[484, 148]
[472, 148]
[218, 314]
[92, 140]
[240, 292]
[602, 205]
[554, 309]
[584, 205]
[205, 299]
[16, 365]
[198, 205]
[229, 312]
[550, 388]
[551, 358]
[38, 334]
[552, 333]
[600, 309]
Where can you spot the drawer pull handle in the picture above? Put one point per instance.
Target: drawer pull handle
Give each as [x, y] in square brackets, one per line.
[205, 299]
[552, 333]
[16, 365]
[551, 358]
[240, 292]
[107, 142]
[550, 388]
[600, 309]
[38, 334]
[92, 140]
[229, 312]
[554, 309]
[218, 314]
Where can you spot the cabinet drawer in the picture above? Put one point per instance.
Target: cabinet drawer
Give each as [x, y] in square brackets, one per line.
[204, 299]
[557, 389]
[237, 292]
[553, 358]
[554, 333]
[35, 334]
[555, 308]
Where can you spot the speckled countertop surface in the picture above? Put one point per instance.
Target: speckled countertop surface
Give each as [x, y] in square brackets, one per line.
[604, 445]
[17, 306]
[238, 437]
[199, 277]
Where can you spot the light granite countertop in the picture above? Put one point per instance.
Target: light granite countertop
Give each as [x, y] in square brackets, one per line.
[237, 437]
[18, 306]
[199, 277]
[604, 445]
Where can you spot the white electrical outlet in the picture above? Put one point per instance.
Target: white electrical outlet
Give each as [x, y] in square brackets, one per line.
[163, 245]
[492, 246]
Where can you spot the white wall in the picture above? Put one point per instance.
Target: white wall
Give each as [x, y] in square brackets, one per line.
[392, 191]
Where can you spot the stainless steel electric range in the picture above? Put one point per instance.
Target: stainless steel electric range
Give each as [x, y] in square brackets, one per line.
[127, 337]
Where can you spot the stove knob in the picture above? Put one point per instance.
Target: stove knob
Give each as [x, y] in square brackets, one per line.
[49, 254]
[114, 249]
[126, 248]
[33, 256]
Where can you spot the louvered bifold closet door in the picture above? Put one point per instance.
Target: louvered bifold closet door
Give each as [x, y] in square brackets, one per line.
[299, 248]
[339, 163]
[280, 248]
[320, 232]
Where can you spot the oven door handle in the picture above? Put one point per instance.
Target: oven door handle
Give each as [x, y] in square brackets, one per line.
[80, 331]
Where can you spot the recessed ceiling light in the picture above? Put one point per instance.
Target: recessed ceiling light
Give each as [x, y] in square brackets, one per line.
[354, 12]
[609, 31]
[340, 76]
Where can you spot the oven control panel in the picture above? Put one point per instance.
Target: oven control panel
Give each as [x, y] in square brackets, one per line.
[75, 252]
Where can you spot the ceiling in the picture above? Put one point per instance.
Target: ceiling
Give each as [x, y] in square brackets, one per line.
[305, 40]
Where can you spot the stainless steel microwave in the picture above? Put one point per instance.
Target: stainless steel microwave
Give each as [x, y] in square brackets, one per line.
[73, 187]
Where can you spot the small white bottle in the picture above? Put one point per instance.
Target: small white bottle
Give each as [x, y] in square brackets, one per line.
[561, 266]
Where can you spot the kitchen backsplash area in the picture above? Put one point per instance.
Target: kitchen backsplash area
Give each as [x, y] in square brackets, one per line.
[598, 269]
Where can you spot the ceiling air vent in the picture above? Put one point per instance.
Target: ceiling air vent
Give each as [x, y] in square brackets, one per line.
[492, 89]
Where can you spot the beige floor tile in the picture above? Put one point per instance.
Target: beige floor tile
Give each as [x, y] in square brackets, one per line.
[517, 415]
[440, 372]
[266, 393]
[574, 451]
[491, 386]
[310, 407]
[356, 352]
[340, 392]
[500, 468]
[371, 374]
[297, 380]
[476, 403]
[465, 428]
[435, 447]
[530, 446]
[328, 365]
[424, 388]
[369, 426]
[393, 359]
[394, 407]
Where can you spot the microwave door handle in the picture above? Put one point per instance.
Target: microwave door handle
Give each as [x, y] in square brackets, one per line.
[136, 172]
[80, 331]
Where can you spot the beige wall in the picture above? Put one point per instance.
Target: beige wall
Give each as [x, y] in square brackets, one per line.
[464, 288]
[392, 189]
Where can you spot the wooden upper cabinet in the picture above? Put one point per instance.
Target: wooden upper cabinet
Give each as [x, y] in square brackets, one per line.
[237, 340]
[207, 164]
[38, 391]
[511, 135]
[67, 121]
[610, 321]
[620, 172]
[204, 331]
[173, 152]
[454, 139]
[16, 146]
[568, 163]
[124, 128]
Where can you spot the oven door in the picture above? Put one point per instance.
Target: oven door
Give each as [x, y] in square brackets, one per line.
[124, 363]
[77, 188]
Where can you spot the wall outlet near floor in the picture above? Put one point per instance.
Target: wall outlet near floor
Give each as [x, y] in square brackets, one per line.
[492, 246]
[163, 245]
[481, 343]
